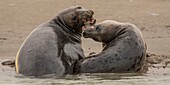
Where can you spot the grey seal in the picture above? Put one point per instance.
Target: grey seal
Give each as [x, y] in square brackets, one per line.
[54, 46]
[124, 48]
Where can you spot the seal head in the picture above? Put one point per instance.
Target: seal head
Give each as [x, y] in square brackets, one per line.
[74, 18]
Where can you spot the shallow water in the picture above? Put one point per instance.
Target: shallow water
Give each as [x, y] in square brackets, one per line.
[156, 77]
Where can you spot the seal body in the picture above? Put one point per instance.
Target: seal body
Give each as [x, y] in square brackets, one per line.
[123, 48]
[54, 46]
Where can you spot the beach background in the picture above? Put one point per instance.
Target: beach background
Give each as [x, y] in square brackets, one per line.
[19, 17]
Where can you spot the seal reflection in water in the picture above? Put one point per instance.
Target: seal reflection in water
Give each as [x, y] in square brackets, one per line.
[123, 48]
[54, 46]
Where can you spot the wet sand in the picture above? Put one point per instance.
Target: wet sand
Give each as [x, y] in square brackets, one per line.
[19, 17]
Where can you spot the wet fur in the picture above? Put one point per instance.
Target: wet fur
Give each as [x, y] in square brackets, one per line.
[43, 52]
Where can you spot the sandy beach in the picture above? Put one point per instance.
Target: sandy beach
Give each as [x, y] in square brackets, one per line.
[19, 17]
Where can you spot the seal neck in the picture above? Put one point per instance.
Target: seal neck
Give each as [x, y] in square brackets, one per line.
[60, 22]
[119, 34]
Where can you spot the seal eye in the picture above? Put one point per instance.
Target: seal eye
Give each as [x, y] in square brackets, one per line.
[74, 17]
[97, 28]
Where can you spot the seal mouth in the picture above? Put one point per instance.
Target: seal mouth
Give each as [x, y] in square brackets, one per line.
[88, 21]
[86, 35]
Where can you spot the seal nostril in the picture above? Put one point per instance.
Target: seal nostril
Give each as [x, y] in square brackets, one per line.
[91, 11]
[79, 7]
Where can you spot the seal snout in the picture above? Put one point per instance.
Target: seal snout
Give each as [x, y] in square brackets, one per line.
[88, 19]
[85, 34]
[88, 33]
[91, 12]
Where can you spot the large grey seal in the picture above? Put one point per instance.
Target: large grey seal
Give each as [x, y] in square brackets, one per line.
[123, 48]
[54, 46]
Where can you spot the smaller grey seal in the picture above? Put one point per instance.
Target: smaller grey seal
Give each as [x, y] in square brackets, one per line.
[124, 48]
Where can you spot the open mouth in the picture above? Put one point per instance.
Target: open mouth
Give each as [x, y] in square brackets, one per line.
[88, 22]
